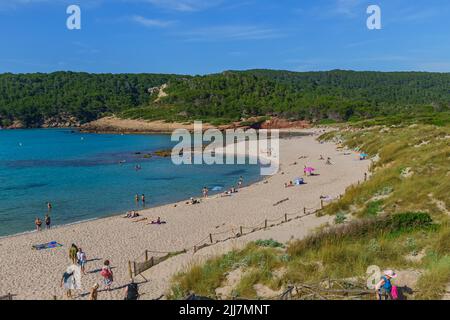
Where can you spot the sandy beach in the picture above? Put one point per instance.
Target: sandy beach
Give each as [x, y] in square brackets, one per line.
[30, 274]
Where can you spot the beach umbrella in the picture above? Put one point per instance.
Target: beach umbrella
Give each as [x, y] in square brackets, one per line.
[309, 169]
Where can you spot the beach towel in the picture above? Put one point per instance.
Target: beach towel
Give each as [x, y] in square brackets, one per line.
[49, 245]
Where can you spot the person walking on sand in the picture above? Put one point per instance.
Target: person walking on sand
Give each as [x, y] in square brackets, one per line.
[107, 275]
[81, 260]
[48, 221]
[384, 287]
[73, 253]
[68, 282]
[38, 223]
[143, 200]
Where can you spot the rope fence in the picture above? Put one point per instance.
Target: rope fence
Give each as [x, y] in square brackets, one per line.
[9, 296]
[136, 268]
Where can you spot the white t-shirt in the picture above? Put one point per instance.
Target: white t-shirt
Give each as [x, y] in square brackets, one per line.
[81, 256]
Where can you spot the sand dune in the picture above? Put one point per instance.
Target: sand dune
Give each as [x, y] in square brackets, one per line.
[32, 274]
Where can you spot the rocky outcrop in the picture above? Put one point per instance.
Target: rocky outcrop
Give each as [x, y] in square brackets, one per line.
[278, 123]
[61, 121]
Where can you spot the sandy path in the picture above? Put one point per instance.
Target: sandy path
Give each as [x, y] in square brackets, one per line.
[36, 274]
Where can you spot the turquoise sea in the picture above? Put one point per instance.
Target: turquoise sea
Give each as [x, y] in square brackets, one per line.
[87, 176]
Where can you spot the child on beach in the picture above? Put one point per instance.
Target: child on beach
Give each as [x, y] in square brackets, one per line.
[107, 275]
[81, 259]
[94, 292]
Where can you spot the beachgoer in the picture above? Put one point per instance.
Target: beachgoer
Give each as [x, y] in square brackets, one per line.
[73, 253]
[47, 221]
[321, 158]
[205, 192]
[131, 291]
[81, 260]
[143, 200]
[107, 275]
[93, 294]
[328, 161]
[68, 282]
[136, 199]
[384, 287]
[193, 201]
[240, 182]
[38, 224]
[49, 206]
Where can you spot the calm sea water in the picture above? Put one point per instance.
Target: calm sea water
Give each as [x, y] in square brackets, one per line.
[81, 175]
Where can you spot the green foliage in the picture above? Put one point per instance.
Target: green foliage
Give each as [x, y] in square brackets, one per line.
[340, 218]
[269, 243]
[32, 98]
[368, 98]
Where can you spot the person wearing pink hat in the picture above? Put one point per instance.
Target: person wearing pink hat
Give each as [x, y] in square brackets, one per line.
[384, 287]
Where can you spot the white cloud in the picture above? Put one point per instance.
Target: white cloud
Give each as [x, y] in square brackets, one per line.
[185, 5]
[151, 22]
[232, 32]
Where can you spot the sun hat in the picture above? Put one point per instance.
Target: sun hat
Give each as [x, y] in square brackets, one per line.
[390, 273]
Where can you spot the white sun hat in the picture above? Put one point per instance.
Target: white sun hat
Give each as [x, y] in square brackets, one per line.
[390, 273]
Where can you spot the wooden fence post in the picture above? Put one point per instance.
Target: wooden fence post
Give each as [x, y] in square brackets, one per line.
[285, 217]
[210, 238]
[321, 204]
[146, 255]
[240, 230]
[304, 210]
[265, 224]
[153, 261]
[130, 271]
[195, 249]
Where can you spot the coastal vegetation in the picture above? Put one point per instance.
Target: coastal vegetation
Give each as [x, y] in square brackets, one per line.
[34, 98]
[323, 97]
[397, 219]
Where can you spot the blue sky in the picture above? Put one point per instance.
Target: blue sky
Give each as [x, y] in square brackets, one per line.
[207, 36]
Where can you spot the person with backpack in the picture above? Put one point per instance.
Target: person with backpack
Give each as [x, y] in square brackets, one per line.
[107, 275]
[384, 287]
[131, 291]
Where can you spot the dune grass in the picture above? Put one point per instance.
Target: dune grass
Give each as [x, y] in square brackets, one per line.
[400, 211]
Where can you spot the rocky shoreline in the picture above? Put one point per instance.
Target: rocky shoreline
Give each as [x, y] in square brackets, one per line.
[116, 125]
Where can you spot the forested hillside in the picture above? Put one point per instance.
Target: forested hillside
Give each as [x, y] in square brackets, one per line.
[228, 96]
[31, 98]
